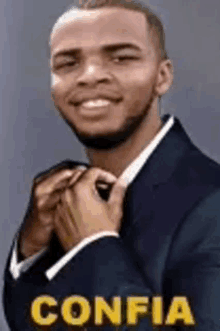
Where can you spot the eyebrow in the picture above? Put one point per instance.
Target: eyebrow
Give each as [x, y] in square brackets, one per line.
[116, 47]
[106, 48]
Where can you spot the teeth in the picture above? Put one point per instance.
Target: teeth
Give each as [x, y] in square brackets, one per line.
[95, 103]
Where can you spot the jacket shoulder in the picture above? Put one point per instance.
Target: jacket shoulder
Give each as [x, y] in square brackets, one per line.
[198, 169]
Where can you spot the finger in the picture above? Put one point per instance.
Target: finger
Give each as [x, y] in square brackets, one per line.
[77, 174]
[54, 182]
[59, 228]
[57, 181]
[47, 174]
[65, 225]
[66, 216]
[69, 181]
[94, 177]
[69, 212]
[117, 193]
[48, 201]
[115, 202]
[96, 174]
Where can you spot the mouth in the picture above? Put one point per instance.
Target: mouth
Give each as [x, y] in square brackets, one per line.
[95, 106]
[95, 100]
[95, 103]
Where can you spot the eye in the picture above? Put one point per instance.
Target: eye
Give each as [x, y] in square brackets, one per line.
[124, 58]
[65, 64]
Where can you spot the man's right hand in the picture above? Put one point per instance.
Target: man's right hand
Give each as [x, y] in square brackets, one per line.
[46, 192]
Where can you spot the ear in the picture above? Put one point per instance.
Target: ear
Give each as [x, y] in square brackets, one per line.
[164, 78]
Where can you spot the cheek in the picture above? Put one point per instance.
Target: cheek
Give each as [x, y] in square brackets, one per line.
[54, 81]
[138, 87]
[59, 88]
[138, 81]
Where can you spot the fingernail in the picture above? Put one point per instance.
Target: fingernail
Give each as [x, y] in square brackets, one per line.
[81, 167]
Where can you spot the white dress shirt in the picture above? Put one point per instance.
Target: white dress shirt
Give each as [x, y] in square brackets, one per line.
[128, 175]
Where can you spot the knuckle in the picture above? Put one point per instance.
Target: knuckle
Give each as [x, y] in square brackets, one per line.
[67, 172]
[95, 170]
[39, 191]
[92, 172]
[40, 203]
[79, 187]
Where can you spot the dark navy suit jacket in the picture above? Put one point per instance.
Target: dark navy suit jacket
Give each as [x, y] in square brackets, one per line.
[169, 243]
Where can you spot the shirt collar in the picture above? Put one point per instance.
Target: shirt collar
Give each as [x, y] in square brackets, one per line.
[134, 168]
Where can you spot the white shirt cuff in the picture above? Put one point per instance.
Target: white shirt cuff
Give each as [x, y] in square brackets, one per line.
[50, 273]
[16, 268]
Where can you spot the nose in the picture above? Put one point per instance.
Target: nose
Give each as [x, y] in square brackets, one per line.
[93, 72]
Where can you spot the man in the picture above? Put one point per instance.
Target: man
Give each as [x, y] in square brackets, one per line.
[142, 219]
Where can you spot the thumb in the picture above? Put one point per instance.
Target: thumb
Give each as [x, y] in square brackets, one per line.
[117, 193]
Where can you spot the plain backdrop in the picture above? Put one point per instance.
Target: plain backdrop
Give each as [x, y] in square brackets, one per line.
[33, 137]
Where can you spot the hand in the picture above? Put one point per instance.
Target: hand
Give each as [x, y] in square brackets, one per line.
[81, 211]
[39, 225]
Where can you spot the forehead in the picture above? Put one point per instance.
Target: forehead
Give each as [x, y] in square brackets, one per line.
[97, 27]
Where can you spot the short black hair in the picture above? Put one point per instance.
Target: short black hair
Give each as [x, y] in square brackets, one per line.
[153, 20]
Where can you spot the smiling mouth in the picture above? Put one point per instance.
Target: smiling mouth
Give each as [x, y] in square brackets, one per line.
[96, 103]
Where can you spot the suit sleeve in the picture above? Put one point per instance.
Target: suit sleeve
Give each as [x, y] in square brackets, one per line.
[193, 269]
[16, 268]
[102, 268]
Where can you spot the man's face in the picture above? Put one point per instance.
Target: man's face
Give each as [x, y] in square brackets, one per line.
[104, 68]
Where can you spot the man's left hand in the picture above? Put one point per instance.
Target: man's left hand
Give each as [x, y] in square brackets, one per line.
[82, 212]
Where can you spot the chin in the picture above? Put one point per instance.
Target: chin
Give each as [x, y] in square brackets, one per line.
[100, 141]
[110, 139]
[96, 138]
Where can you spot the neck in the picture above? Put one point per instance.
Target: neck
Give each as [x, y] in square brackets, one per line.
[116, 160]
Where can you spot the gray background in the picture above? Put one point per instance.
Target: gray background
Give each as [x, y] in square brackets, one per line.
[33, 137]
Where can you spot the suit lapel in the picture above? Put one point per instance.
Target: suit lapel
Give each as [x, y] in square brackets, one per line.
[145, 231]
[157, 170]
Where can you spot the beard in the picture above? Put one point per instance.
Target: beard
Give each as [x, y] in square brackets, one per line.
[111, 140]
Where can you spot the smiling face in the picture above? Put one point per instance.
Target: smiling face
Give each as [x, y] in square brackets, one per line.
[104, 73]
